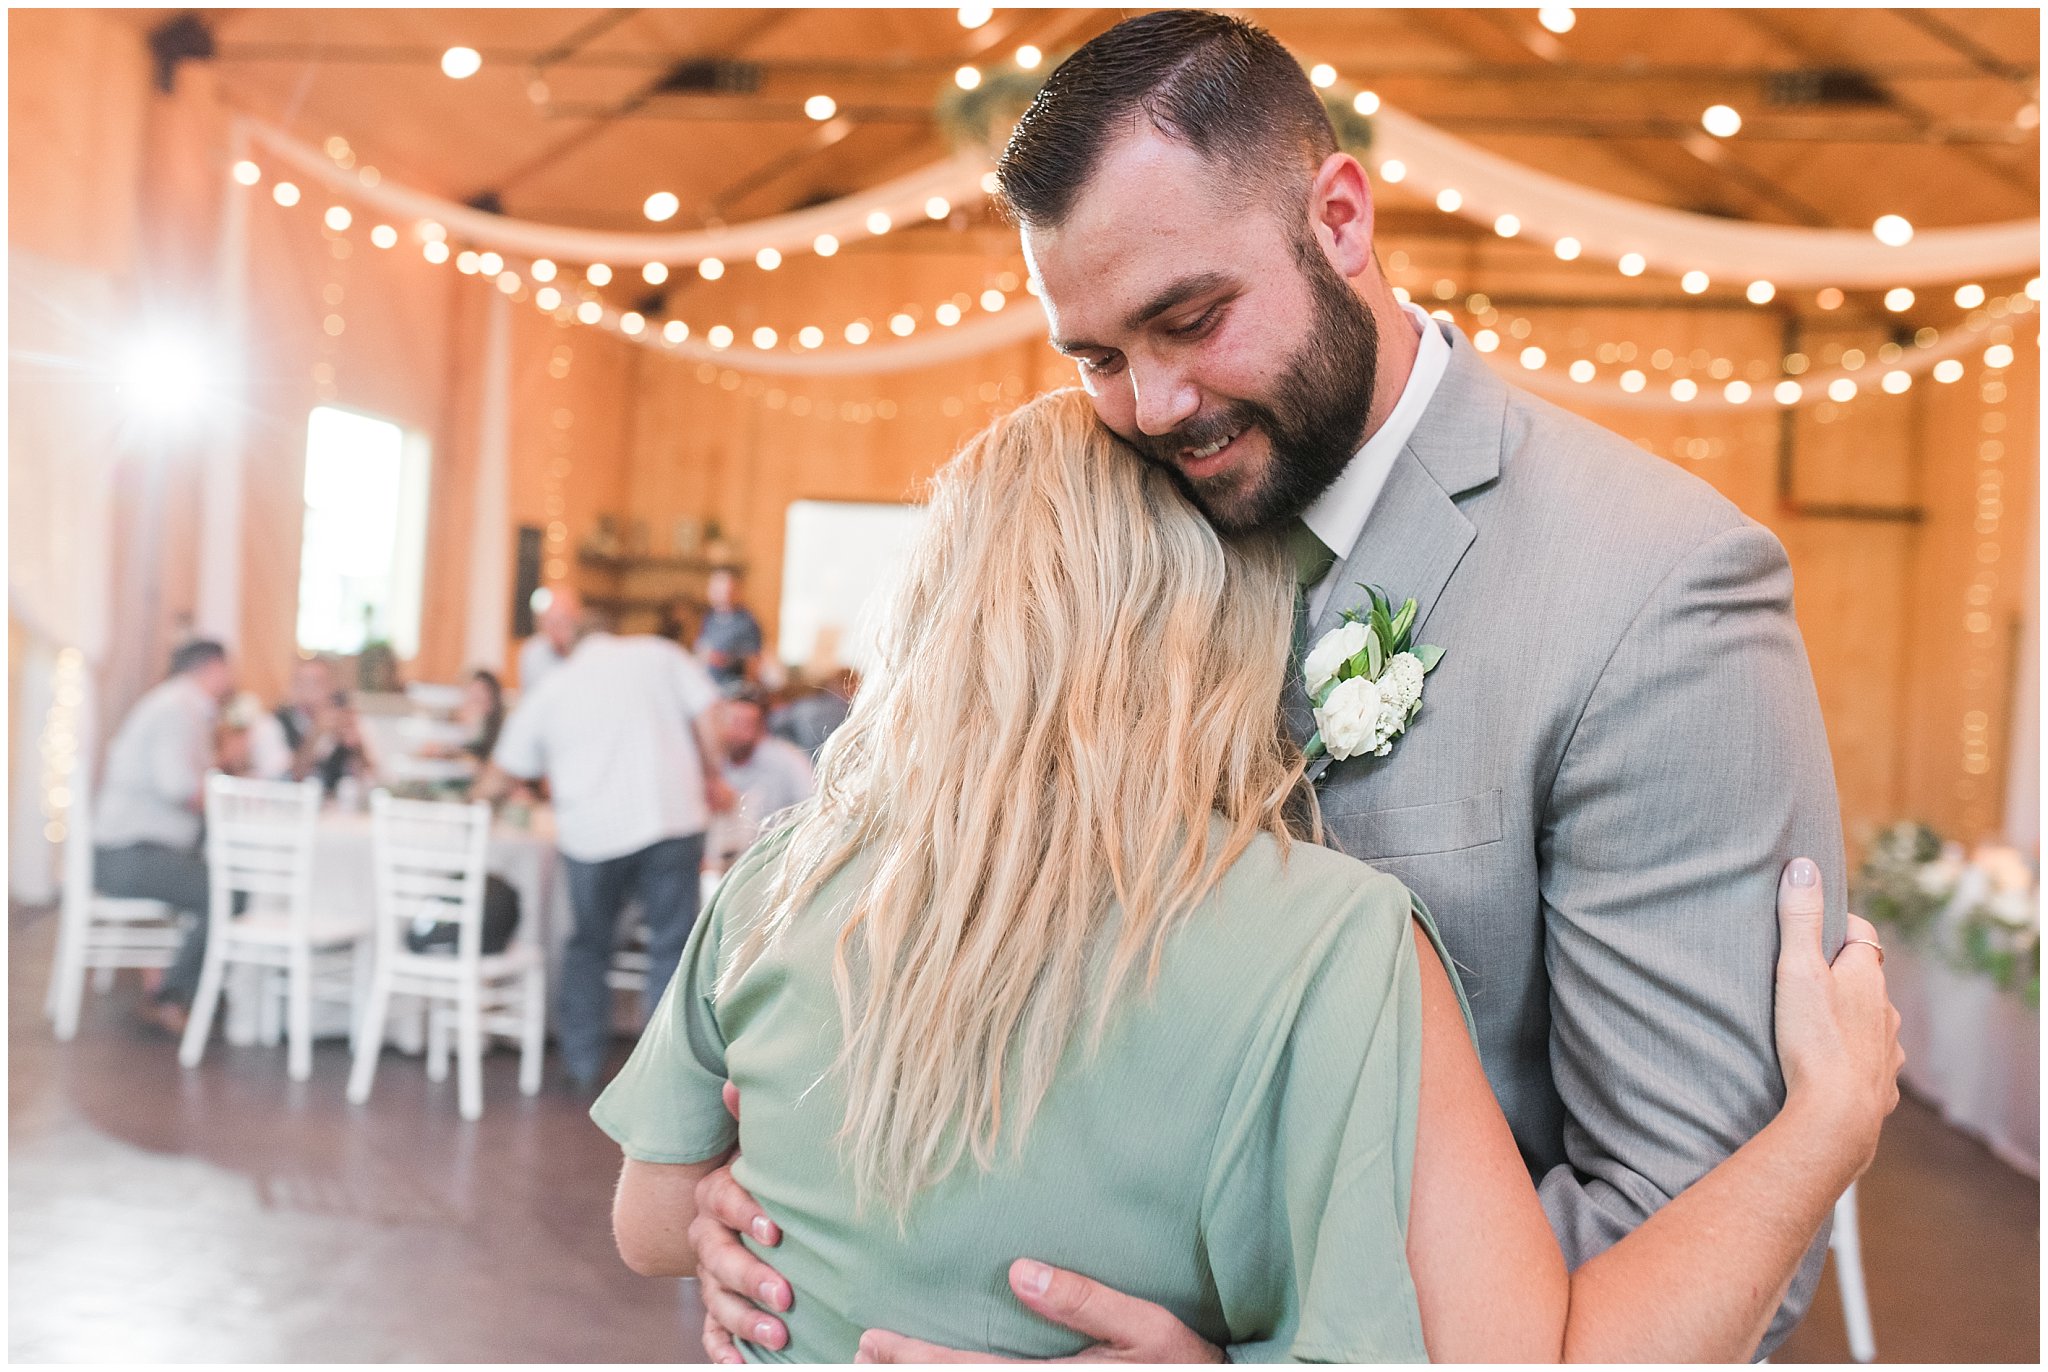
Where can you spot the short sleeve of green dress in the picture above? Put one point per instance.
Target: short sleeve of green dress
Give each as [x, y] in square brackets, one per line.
[666, 1104]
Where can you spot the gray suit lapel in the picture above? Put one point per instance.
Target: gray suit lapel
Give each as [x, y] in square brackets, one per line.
[1416, 534]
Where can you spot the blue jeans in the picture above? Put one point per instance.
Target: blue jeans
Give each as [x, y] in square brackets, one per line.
[175, 876]
[664, 875]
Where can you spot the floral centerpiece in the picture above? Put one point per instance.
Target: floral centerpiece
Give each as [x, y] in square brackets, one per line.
[1978, 910]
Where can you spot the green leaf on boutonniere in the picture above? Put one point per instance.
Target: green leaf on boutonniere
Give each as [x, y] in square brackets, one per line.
[1403, 622]
[1429, 655]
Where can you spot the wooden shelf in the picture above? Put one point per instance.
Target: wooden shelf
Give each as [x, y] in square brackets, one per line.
[654, 562]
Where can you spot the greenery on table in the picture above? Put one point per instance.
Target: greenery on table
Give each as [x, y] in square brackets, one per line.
[1979, 912]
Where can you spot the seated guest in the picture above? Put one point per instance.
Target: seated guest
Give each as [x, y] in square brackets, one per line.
[622, 733]
[766, 773]
[152, 797]
[731, 637]
[809, 720]
[252, 741]
[554, 636]
[319, 727]
[481, 715]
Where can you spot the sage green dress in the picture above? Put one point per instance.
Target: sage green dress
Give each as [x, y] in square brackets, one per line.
[1238, 1150]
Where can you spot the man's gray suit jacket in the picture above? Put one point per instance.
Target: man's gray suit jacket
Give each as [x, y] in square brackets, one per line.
[1617, 755]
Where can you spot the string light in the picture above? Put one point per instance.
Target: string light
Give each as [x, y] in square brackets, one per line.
[947, 314]
[1948, 371]
[1721, 121]
[1557, 18]
[654, 273]
[1567, 249]
[1898, 300]
[711, 269]
[1532, 358]
[461, 63]
[1736, 392]
[431, 232]
[1486, 340]
[490, 264]
[1761, 292]
[824, 245]
[598, 274]
[435, 251]
[768, 259]
[1788, 392]
[1829, 298]
[1693, 283]
[1897, 383]
[989, 183]
[821, 107]
[1632, 264]
[590, 312]
[967, 78]
[1029, 57]
[764, 338]
[878, 223]
[632, 322]
[1684, 389]
[1893, 231]
[1507, 226]
[466, 262]
[901, 325]
[1323, 75]
[547, 297]
[1841, 390]
[1633, 380]
[1581, 371]
[248, 173]
[1449, 200]
[858, 332]
[1970, 296]
[993, 300]
[1998, 356]
[1393, 171]
[974, 16]
[810, 336]
[285, 194]
[508, 282]
[719, 337]
[675, 331]
[938, 207]
[661, 206]
[384, 236]
[1366, 102]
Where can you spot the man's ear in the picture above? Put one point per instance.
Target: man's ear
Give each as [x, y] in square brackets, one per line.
[1340, 205]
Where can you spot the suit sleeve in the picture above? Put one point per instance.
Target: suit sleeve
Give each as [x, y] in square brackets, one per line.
[1698, 768]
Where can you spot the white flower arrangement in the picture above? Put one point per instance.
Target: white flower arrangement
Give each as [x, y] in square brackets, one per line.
[1365, 682]
[1978, 910]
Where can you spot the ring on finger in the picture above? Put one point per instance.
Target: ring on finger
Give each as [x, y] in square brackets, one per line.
[1867, 943]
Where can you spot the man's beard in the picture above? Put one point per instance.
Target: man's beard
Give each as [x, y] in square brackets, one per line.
[1314, 422]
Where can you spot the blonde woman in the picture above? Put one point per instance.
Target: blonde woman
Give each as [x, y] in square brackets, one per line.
[1052, 964]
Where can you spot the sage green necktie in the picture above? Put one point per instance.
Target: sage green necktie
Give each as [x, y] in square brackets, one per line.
[1312, 562]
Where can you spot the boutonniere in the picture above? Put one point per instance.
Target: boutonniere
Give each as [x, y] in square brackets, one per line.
[1365, 682]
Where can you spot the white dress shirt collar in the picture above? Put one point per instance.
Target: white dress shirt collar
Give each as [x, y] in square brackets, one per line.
[1339, 514]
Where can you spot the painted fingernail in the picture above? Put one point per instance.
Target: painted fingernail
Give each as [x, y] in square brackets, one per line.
[1803, 873]
[763, 1230]
[1036, 1276]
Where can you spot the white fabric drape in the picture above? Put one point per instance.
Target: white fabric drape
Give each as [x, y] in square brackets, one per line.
[218, 613]
[1675, 241]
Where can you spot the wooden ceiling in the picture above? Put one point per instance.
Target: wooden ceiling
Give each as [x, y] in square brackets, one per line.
[1848, 114]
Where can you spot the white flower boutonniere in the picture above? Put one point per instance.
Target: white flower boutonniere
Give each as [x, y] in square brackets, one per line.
[1365, 682]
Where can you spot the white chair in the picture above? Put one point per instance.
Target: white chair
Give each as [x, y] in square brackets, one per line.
[259, 847]
[1846, 1244]
[429, 860]
[99, 934]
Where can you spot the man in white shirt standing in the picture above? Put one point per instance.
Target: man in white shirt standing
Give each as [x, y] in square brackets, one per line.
[554, 637]
[147, 823]
[622, 732]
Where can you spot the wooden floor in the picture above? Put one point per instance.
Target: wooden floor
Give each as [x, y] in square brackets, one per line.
[231, 1214]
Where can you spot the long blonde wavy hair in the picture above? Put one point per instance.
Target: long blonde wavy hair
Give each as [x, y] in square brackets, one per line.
[1076, 674]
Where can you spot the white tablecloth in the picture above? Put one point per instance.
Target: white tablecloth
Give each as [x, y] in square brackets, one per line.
[344, 888]
[1972, 1050]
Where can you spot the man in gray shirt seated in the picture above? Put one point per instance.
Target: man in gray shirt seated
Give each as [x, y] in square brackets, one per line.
[766, 773]
[147, 825]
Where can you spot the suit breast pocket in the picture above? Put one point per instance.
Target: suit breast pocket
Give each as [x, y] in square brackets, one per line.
[1415, 830]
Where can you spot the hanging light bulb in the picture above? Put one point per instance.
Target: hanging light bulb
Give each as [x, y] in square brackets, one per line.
[974, 16]
[993, 300]
[285, 194]
[938, 207]
[1893, 231]
[821, 107]
[1532, 358]
[1029, 57]
[598, 274]
[1633, 381]
[1557, 18]
[248, 173]
[632, 322]
[1787, 392]
[967, 78]
[1736, 392]
[654, 273]
[1761, 292]
[764, 338]
[461, 63]
[1828, 298]
[435, 251]
[490, 264]
[810, 336]
[466, 263]
[719, 337]
[947, 314]
[1998, 356]
[661, 206]
[1567, 249]
[1366, 102]
[878, 223]
[590, 312]
[1693, 283]
[901, 325]
[1898, 299]
[1948, 371]
[1393, 171]
[1581, 371]
[542, 269]
[1632, 264]
[384, 236]
[1897, 383]
[857, 332]
[675, 331]
[711, 269]
[1970, 296]
[824, 245]
[1323, 75]
[768, 259]
[1721, 121]
[508, 282]
[1449, 200]
[1684, 389]
[1507, 226]
[547, 297]
[1841, 390]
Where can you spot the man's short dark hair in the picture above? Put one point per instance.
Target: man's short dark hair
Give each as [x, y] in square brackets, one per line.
[190, 657]
[1221, 86]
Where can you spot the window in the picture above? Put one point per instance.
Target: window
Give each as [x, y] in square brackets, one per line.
[362, 557]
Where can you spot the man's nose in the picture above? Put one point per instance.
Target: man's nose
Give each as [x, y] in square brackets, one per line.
[1163, 399]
